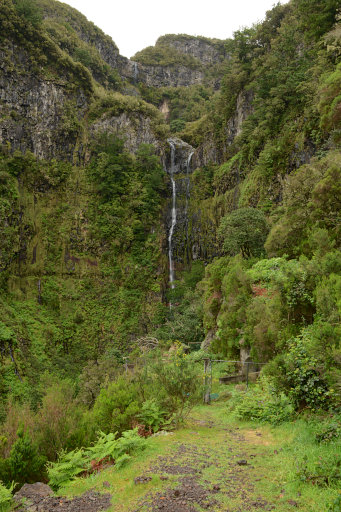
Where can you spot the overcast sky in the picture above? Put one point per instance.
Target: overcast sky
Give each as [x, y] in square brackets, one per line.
[135, 24]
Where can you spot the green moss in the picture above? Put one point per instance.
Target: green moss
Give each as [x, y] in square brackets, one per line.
[166, 56]
[45, 57]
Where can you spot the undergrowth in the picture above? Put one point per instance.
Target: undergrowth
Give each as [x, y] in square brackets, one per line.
[107, 450]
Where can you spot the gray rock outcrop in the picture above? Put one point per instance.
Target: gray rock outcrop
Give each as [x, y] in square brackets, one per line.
[33, 108]
[134, 129]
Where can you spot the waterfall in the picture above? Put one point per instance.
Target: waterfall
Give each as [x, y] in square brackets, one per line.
[179, 164]
[136, 72]
[173, 224]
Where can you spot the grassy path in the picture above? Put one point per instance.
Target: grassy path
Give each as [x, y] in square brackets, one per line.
[211, 464]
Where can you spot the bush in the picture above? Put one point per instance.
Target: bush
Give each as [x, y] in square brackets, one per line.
[335, 506]
[25, 464]
[324, 471]
[327, 433]
[262, 404]
[176, 380]
[29, 11]
[117, 405]
[244, 231]
[59, 421]
[107, 449]
[307, 387]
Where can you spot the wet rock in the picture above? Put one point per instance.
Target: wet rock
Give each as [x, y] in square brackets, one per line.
[293, 503]
[37, 498]
[33, 492]
[142, 479]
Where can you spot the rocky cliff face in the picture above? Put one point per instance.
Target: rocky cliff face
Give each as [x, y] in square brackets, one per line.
[37, 114]
[212, 152]
[177, 163]
[47, 115]
[167, 76]
[134, 129]
[205, 54]
[243, 110]
[206, 51]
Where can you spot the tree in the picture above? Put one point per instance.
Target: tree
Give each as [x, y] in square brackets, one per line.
[29, 11]
[244, 231]
[316, 16]
[26, 465]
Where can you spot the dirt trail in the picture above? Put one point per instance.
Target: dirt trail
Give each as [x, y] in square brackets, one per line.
[209, 477]
[208, 468]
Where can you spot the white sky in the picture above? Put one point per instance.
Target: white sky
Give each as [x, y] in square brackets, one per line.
[135, 24]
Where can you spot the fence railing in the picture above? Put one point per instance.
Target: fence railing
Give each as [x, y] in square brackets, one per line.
[208, 373]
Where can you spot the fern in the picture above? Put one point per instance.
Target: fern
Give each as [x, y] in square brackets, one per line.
[121, 461]
[67, 468]
[72, 464]
[130, 443]
[152, 415]
[105, 446]
[5, 497]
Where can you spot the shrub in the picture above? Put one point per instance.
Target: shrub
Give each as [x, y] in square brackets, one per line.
[29, 11]
[152, 415]
[307, 387]
[244, 230]
[329, 432]
[335, 506]
[106, 449]
[262, 404]
[58, 423]
[177, 382]
[117, 405]
[25, 464]
[324, 471]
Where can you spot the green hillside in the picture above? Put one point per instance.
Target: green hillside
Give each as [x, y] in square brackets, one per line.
[92, 336]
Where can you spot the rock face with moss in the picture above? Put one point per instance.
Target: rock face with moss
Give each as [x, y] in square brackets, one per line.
[207, 51]
[44, 95]
[181, 60]
[134, 129]
[39, 115]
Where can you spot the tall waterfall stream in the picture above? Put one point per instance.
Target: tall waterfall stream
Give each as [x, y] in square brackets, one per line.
[180, 162]
[173, 224]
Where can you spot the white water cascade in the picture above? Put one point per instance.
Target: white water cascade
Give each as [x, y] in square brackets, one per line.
[173, 224]
[136, 72]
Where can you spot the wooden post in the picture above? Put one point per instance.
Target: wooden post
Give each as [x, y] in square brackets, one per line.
[207, 377]
[247, 374]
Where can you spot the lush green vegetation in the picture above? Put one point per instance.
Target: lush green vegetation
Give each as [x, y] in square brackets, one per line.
[87, 340]
[292, 461]
[20, 22]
